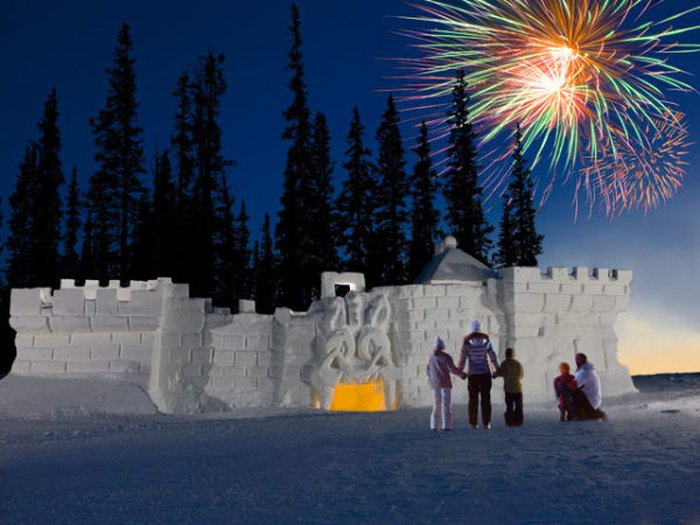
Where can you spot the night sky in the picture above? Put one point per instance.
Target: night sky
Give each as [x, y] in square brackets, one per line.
[69, 44]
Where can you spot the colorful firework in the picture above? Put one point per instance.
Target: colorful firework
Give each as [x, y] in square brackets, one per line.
[585, 79]
[642, 175]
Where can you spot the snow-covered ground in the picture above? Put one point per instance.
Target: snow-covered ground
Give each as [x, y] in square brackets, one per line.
[69, 456]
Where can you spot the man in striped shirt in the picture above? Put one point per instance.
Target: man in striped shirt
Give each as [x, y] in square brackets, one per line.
[477, 350]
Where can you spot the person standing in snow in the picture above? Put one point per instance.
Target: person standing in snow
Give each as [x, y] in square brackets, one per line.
[588, 384]
[477, 351]
[439, 368]
[512, 372]
[564, 387]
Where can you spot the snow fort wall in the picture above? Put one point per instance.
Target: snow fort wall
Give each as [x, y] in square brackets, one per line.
[89, 330]
[242, 354]
[423, 312]
[193, 358]
[551, 316]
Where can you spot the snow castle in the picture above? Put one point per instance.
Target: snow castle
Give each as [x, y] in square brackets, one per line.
[366, 350]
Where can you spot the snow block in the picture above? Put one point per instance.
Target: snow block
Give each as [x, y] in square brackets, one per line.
[142, 303]
[35, 354]
[25, 302]
[109, 324]
[69, 302]
[48, 367]
[246, 359]
[90, 339]
[557, 302]
[73, 353]
[106, 302]
[143, 324]
[135, 352]
[88, 367]
[69, 324]
[122, 366]
[104, 351]
[223, 357]
[51, 340]
[127, 338]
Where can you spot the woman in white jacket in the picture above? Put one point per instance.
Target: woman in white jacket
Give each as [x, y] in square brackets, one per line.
[588, 381]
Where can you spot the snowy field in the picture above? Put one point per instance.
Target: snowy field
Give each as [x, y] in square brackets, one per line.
[108, 457]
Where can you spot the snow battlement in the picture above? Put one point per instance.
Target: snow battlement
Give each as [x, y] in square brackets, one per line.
[192, 357]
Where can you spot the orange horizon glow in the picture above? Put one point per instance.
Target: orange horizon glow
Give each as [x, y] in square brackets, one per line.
[647, 348]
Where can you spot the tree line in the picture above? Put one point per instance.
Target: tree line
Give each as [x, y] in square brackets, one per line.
[186, 222]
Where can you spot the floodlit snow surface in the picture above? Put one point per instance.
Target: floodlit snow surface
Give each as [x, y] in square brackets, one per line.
[71, 458]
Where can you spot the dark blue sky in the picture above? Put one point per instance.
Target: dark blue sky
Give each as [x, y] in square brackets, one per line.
[69, 44]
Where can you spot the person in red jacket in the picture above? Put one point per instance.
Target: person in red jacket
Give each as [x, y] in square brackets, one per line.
[564, 387]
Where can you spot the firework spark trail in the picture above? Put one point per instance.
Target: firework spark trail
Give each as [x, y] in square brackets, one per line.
[585, 79]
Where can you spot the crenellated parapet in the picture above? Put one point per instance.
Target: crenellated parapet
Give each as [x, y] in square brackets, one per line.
[192, 357]
[553, 315]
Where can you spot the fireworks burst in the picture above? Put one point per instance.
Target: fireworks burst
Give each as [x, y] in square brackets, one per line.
[585, 79]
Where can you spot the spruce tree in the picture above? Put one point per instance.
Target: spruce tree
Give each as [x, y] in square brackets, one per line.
[465, 215]
[388, 263]
[164, 218]
[208, 88]
[424, 216]
[323, 249]
[244, 288]
[142, 247]
[46, 223]
[506, 254]
[35, 220]
[182, 146]
[295, 227]
[527, 242]
[225, 250]
[71, 260]
[21, 266]
[356, 202]
[266, 276]
[115, 189]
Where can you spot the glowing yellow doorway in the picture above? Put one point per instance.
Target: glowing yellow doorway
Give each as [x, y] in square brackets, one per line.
[363, 397]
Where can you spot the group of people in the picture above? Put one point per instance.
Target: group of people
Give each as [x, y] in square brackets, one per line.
[579, 396]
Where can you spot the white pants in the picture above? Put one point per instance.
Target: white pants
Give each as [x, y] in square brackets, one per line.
[442, 409]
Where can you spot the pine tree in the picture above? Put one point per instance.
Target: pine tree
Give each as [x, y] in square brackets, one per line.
[465, 215]
[527, 243]
[242, 278]
[388, 262]
[208, 88]
[35, 220]
[355, 204]
[163, 219]
[142, 247]
[115, 189]
[182, 147]
[46, 224]
[21, 244]
[323, 250]
[226, 251]
[266, 276]
[295, 227]
[71, 260]
[506, 255]
[424, 216]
